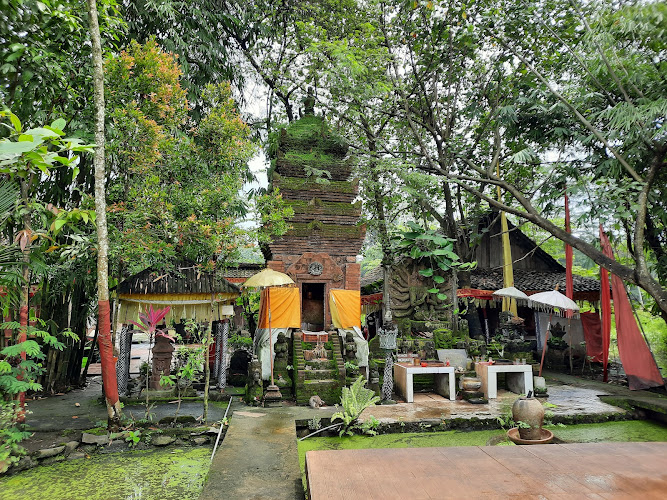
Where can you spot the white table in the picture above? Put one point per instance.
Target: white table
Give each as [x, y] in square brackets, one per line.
[403, 376]
[489, 376]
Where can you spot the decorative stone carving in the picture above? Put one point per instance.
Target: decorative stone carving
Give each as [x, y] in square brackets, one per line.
[303, 267]
[280, 348]
[350, 347]
[254, 389]
[315, 268]
[162, 353]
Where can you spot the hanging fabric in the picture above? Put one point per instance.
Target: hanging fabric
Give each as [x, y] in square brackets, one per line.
[345, 307]
[592, 325]
[638, 362]
[508, 271]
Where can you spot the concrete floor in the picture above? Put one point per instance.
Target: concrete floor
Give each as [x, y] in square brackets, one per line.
[538, 472]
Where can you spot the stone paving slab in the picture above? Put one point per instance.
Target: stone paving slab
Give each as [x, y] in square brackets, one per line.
[546, 472]
[258, 459]
[569, 401]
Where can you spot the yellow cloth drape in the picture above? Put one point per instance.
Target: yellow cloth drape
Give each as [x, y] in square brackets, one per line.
[508, 270]
[285, 308]
[345, 307]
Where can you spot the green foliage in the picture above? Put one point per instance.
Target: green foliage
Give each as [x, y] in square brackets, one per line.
[11, 434]
[19, 375]
[354, 401]
[133, 438]
[444, 338]
[240, 340]
[432, 249]
[37, 149]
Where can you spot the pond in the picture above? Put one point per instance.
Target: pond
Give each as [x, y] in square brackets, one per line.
[167, 474]
[631, 430]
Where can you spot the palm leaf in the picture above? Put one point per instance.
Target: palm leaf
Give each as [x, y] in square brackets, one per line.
[8, 195]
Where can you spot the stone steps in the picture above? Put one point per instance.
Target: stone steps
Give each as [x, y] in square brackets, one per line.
[324, 378]
[321, 374]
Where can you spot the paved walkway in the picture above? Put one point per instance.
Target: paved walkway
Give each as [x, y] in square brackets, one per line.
[259, 458]
[546, 472]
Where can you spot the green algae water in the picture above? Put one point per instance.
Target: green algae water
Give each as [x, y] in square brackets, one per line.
[170, 474]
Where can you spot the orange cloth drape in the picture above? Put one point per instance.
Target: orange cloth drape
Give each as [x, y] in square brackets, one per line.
[638, 362]
[345, 308]
[285, 308]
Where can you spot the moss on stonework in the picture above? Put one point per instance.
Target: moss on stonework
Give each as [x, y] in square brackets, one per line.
[309, 132]
[325, 207]
[310, 184]
[335, 231]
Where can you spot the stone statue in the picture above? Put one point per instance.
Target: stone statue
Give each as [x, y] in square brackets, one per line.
[281, 347]
[309, 103]
[254, 387]
[350, 347]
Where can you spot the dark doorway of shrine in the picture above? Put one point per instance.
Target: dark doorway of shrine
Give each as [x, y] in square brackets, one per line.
[312, 306]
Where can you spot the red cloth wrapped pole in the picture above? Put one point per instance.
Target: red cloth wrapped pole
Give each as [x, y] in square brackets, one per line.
[107, 360]
[605, 304]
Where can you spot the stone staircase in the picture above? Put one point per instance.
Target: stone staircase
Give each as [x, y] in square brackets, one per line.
[322, 377]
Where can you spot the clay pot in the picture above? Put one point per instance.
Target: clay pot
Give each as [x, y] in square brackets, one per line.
[531, 412]
[470, 383]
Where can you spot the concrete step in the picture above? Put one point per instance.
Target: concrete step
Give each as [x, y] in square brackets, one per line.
[321, 364]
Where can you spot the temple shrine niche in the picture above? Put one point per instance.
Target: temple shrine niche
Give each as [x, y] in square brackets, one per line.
[311, 167]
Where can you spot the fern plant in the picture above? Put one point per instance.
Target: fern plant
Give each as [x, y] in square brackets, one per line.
[354, 401]
[19, 375]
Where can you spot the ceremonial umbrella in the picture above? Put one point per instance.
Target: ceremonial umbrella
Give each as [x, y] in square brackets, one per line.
[511, 293]
[266, 279]
[554, 302]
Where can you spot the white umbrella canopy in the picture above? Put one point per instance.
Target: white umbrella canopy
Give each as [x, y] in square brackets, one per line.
[267, 277]
[511, 293]
[553, 301]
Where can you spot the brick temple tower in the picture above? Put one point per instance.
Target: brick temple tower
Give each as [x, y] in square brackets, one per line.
[311, 167]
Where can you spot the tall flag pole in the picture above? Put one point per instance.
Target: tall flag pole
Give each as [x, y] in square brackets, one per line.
[569, 282]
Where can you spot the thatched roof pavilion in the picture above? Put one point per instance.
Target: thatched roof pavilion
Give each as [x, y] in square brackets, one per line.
[189, 292]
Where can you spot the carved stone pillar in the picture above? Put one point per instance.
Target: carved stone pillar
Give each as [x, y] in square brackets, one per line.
[123, 365]
[218, 344]
[224, 337]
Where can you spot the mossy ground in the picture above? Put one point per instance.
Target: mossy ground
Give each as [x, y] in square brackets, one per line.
[171, 474]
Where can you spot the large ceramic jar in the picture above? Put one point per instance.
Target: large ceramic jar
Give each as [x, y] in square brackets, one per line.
[530, 412]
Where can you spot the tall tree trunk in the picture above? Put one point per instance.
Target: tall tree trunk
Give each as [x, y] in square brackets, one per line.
[383, 233]
[103, 314]
[25, 286]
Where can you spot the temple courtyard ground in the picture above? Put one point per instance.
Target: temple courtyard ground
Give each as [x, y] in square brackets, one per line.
[259, 456]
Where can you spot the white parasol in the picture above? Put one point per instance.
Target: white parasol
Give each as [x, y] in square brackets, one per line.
[265, 279]
[553, 302]
[511, 293]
